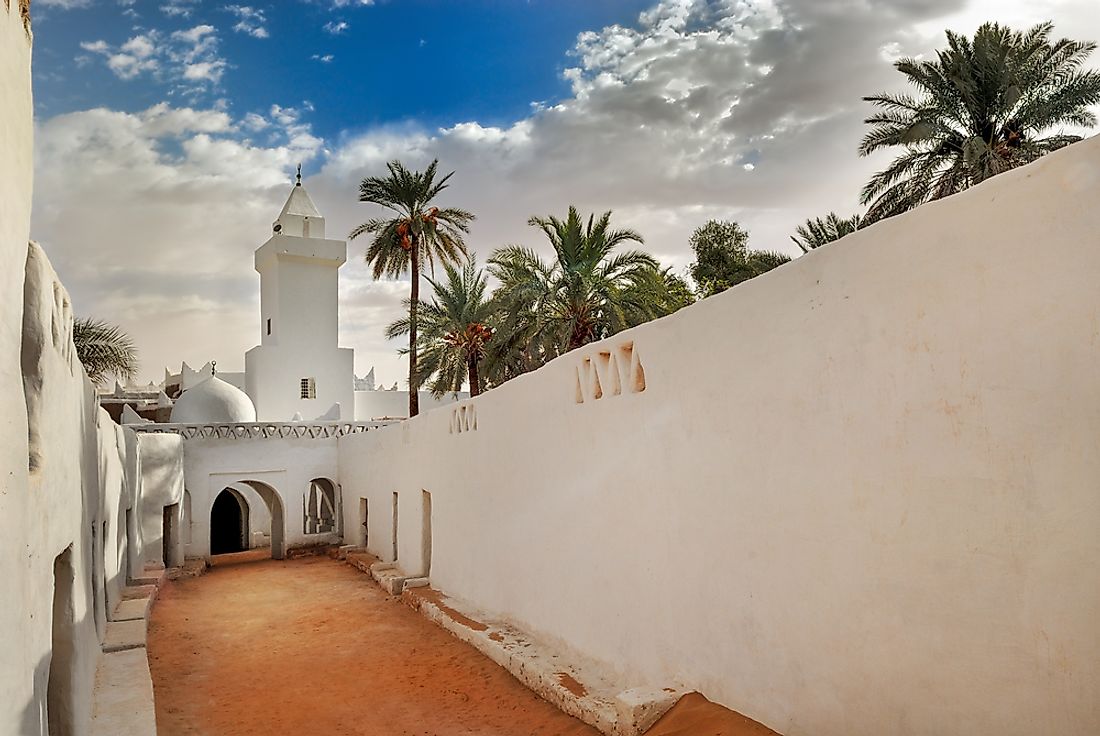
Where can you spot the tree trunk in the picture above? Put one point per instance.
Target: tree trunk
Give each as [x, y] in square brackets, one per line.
[414, 296]
[475, 379]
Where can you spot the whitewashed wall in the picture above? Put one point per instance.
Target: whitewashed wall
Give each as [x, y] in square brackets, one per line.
[21, 658]
[69, 477]
[857, 496]
[285, 465]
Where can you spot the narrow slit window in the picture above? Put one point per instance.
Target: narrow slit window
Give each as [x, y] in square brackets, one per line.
[269, 325]
[308, 387]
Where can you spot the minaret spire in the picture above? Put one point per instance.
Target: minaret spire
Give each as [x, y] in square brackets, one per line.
[298, 179]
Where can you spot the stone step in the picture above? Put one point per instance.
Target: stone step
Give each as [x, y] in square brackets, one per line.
[583, 689]
[139, 591]
[132, 609]
[123, 635]
[387, 575]
[122, 699]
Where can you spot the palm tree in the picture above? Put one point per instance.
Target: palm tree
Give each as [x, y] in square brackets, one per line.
[454, 330]
[585, 293]
[104, 350]
[818, 232]
[984, 106]
[419, 233]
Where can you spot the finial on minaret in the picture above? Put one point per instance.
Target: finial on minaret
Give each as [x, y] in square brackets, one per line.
[298, 181]
[213, 368]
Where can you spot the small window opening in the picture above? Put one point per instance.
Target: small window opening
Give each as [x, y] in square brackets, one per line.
[308, 388]
[269, 325]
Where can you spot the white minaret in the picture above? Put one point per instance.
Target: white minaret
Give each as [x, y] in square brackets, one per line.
[298, 367]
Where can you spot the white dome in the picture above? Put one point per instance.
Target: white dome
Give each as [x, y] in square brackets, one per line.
[213, 400]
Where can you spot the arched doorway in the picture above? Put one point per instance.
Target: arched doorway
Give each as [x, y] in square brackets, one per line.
[278, 515]
[228, 523]
[322, 507]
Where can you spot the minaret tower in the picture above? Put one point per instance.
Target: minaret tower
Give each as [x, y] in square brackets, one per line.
[298, 367]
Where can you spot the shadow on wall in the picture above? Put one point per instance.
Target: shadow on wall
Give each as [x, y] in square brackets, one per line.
[277, 508]
[55, 711]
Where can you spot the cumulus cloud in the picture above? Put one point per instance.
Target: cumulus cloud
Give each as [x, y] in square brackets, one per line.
[187, 57]
[739, 109]
[152, 218]
[336, 27]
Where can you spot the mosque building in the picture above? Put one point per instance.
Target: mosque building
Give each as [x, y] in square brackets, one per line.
[298, 372]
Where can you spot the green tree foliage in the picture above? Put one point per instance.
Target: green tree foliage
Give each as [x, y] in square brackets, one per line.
[982, 106]
[418, 233]
[818, 232]
[586, 292]
[723, 258]
[104, 350]
[455, 329]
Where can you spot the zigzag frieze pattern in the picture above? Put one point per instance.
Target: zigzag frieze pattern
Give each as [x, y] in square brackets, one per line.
[261, 430]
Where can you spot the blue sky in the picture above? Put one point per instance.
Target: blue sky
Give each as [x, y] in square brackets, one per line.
[359, 66]
[167, 133]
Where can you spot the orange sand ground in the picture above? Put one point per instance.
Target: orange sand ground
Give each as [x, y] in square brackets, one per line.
[312, 647]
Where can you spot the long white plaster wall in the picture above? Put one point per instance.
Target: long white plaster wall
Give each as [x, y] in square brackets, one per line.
[858, 495]
[16, 144]
[285, 465]
[68, 474]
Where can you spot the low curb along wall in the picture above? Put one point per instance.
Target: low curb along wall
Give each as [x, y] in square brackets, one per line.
[856, 495]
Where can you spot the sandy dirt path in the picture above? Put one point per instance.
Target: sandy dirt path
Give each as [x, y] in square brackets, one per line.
[312, 647]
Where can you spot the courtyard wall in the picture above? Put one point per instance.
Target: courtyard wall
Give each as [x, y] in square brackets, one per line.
[285, 465]
[854, 496]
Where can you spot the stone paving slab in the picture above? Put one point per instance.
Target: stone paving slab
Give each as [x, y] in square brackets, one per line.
[139, 591]
[122, 701]
[123, 635]
[132, 609]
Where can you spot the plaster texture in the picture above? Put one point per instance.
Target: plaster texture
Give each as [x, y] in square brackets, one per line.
[16, 144]
[886, 521]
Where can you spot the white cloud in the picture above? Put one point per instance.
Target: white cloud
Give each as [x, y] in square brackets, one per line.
[737, 109]
[178, 8]
[187, 56]
[336, 27]
[249, 20]
[326, 59]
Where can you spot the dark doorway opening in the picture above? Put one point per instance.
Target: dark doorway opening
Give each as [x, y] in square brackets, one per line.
[227, 524]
